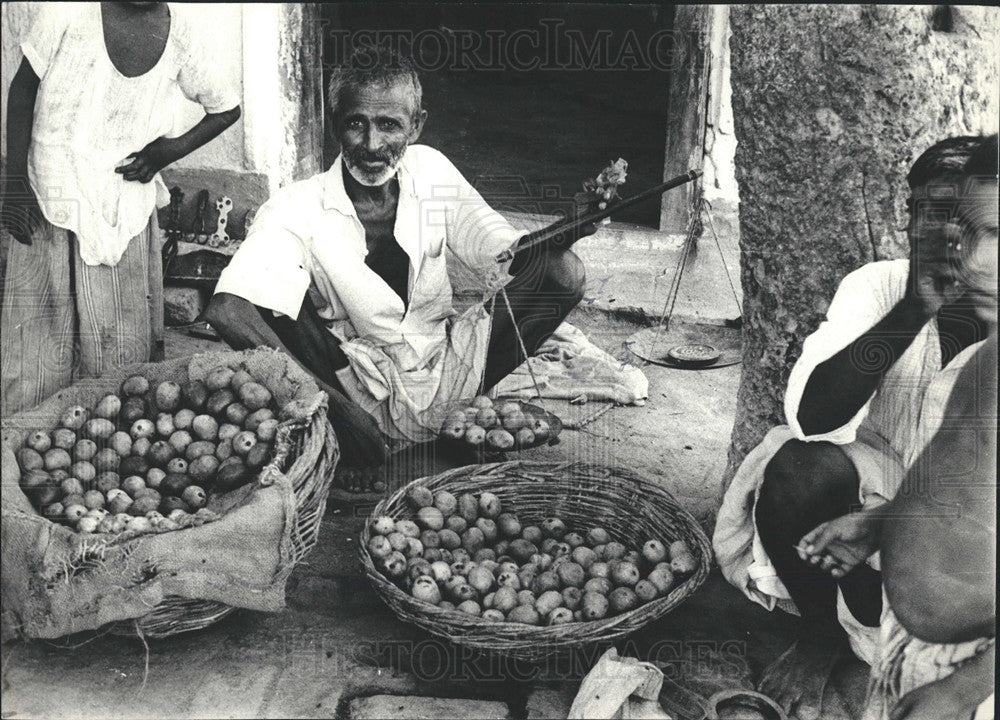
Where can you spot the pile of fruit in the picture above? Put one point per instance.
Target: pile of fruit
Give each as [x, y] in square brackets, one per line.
[147, 459]
[465, 554]
[511, 424]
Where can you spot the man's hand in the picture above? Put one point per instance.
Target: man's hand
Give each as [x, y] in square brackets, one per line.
[944, 699]
[150, 160]
[587, 203]
[359, 437]
[934, 272]
[840, 545]
[20, 216]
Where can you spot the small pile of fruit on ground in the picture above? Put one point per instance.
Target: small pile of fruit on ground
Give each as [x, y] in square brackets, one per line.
[465, 554]
[147, 459]
[498, 428]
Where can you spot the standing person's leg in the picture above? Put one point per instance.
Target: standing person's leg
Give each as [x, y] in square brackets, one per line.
[115, 308]
[541, 296]
[805, 485]
[36, 350]
[155, 299]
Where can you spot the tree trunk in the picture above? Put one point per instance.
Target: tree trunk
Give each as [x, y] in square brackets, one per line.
[832, 104]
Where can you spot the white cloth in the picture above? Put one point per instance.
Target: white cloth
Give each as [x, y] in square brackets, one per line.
[569, 365]
[89, 118]
[882, 440]
[904, 663]
[404, 359]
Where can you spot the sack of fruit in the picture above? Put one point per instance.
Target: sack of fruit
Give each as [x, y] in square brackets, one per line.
[159, 497]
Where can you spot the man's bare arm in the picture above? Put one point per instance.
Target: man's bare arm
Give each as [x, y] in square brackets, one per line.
[239, 323]
[939, 534]
[145, 163]
[840, 386]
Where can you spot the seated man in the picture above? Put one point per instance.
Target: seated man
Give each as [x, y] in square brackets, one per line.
[862, 402]
[348, 271]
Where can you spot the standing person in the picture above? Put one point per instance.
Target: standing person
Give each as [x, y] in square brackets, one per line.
[863, 401]
[88, 111]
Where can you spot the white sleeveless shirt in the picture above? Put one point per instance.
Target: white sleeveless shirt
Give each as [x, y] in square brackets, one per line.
[89, 118]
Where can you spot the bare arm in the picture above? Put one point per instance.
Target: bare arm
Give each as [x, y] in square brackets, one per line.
[164, 151]
[21, 213]
[241, 326]
[839, 387]
[939, 541]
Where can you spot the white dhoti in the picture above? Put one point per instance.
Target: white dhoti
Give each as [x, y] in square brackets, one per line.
[904, 663]
[738, 548]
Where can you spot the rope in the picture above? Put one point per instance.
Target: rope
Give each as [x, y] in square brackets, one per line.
[482, 374]
[581, 424]
[145, 670]
[520, 342]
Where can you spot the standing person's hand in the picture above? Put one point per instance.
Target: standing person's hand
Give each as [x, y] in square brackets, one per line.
[150, 160]
[20, 214]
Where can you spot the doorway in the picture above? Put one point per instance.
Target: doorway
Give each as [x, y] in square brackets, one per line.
[528, 100]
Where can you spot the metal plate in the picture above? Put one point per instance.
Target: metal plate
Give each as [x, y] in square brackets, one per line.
[739, 703]
[652, 348]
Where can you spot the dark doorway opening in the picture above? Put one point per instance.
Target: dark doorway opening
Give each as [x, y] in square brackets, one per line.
[528, 100]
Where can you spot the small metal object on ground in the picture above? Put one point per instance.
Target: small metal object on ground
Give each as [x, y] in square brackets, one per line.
[739, 704]
[694, 355]
[660, 347]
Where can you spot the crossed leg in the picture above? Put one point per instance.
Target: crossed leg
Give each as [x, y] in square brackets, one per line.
[805, 485]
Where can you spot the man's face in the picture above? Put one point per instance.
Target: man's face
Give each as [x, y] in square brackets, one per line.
[375, 125]
[977, 218]
[959, 221]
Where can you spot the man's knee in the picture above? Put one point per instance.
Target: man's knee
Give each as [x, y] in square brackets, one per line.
[804, 478]
[565, 276]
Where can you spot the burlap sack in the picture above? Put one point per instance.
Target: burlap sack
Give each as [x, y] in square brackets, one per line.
[56, 581]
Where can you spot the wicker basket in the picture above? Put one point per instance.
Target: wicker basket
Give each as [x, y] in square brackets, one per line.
[306, 453]
[302, 466]
[631, 507]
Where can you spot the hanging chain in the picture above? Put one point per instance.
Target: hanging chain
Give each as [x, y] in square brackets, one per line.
[725, 266]
[675, 281]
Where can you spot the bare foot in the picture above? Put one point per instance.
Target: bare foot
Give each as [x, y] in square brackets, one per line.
[796, 680]
[360, 480]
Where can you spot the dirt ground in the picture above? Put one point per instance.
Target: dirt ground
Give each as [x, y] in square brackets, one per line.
[337, 643]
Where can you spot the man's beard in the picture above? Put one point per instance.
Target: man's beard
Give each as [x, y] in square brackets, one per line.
[354, 159]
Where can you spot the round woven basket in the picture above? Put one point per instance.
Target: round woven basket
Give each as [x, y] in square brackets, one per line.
[632, 508]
